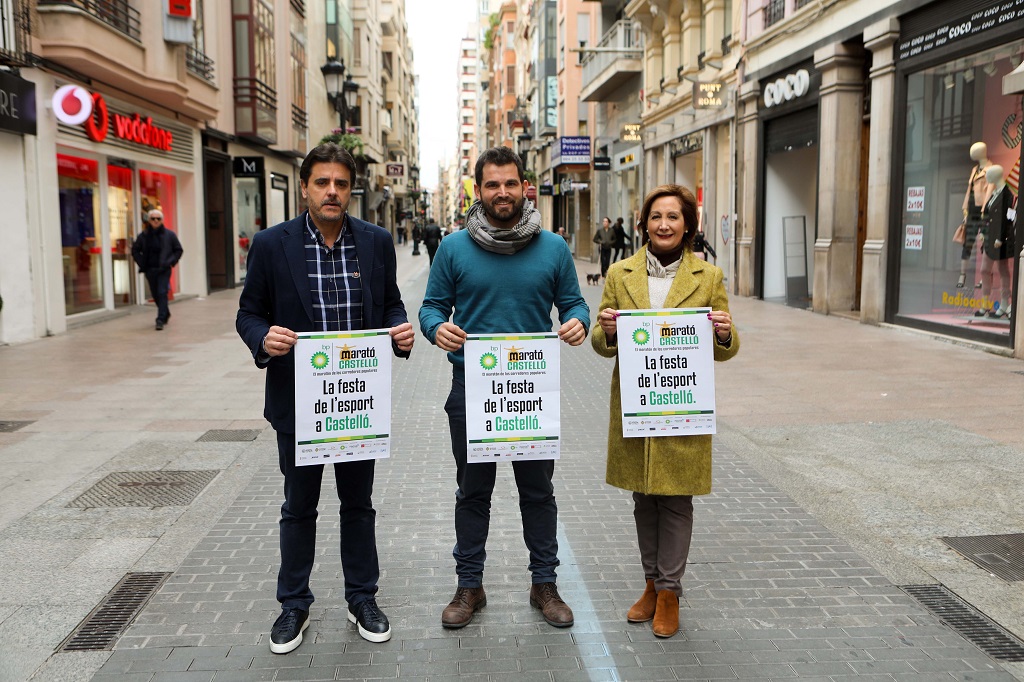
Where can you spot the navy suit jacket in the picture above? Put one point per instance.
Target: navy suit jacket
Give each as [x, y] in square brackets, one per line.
[277, 292]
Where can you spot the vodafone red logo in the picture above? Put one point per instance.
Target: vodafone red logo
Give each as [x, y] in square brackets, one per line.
[74, 105]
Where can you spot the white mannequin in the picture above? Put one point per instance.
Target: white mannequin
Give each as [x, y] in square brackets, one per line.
[996, 183]
[977, 188]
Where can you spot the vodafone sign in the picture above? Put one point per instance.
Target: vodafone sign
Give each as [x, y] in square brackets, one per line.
[74, 105]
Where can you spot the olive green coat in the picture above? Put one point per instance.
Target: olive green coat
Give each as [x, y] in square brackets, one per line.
[670, 465]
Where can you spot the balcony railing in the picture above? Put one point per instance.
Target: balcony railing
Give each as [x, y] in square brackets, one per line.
[300, 128]
[625, 40]
[198, 63]
[118, 14]
[774, 11]
[14, 32]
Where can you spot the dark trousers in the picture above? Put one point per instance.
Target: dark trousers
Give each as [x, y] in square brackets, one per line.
[664, 526]
[473, 504]
[606, 256]
[160, 286]
[431, 250]
[298, 527]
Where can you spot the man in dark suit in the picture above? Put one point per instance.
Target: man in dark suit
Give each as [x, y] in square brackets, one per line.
[322, 271]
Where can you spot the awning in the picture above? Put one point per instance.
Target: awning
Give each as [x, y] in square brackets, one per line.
[1013, 82]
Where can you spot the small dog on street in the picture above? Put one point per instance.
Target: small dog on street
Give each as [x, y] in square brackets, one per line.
[593, 278]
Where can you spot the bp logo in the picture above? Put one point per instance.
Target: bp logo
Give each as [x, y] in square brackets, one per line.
[488, 361]
[320, 360]
[641, 337]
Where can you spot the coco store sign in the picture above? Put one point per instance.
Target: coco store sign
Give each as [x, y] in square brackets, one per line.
[785, 89]
[74, 105]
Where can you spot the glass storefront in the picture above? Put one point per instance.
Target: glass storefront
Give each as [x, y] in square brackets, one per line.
[121, 208]
[962, 154]
[78, 187]
[159, 190]
[99, 271]
[249, 209]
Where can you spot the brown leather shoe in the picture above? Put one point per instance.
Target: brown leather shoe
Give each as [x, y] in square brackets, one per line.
[466, 602]
[643, 610]
[544, 596]
[666, 614]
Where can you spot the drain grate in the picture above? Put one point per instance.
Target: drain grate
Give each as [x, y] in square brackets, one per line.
[1001, 555]
[973, 625]
[145, 489]
[11, 427]
[115, 612]
[228, 435]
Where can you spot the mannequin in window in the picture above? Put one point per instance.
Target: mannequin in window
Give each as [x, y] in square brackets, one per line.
[977, 193]
[997, 240]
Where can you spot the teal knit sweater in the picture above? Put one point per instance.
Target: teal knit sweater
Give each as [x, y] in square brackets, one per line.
[493, 293]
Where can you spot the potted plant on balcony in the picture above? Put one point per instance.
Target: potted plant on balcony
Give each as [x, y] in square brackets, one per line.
[349, 141]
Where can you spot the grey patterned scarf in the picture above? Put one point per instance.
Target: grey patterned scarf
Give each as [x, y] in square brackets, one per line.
[498, 240]
[656, 269]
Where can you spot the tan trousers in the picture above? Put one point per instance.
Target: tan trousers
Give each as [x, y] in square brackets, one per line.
[664, 525]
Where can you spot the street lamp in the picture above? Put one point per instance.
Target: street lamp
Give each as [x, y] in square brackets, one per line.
[342, 92]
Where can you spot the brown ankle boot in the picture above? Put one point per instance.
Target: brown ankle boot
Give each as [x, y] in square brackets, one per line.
[466, 602]
[544, 596]
[666, 614]
[643, 610]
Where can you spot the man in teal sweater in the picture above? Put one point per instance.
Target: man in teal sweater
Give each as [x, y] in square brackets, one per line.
[502, 274]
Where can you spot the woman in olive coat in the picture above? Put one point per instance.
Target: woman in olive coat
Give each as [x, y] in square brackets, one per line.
[664, 473]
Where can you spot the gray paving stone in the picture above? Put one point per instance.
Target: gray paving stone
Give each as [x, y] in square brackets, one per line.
[770, 591]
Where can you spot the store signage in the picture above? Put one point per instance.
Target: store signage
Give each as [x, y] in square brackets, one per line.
[565, 186]
[547, 190]
[631, 132]
[942, 31]
[709, 95]
[396, 170]
[178, 27]
[915, 199]
[790, 87]
[74, 105]
[17, 104]
[179, 8]
[247, 166]
[694, 142]
[531, 192]
[914, 240]
[570, 150]
[602, 163]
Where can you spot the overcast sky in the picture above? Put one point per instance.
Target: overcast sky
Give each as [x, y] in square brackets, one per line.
[436, 29]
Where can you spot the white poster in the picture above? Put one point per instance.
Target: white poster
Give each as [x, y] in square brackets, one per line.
[342, 396]
[914, 239]
[512, 397]
[915, 199]
[666, 372]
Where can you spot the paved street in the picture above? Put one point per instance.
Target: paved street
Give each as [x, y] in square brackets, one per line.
[845, 452]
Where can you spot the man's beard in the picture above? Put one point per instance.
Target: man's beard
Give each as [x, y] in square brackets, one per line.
[320, 215]
[515, 211]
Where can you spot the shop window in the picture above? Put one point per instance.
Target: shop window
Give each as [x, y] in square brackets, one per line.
[159, 190]
[78, 190]
[962, 148]
[121, 209]
[249, 207]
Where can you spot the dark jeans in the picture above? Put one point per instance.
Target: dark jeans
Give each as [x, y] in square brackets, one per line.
[606, 255]
[431, 250]
[159, 286]
[298, 527]
[473, 504]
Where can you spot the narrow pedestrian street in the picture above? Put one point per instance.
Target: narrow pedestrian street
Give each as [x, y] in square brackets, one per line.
[845, 452]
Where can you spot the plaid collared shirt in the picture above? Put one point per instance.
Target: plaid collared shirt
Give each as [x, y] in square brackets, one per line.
[334, 280]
